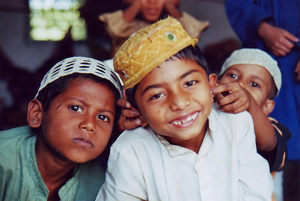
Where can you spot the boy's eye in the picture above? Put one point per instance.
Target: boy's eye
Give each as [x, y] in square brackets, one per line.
[103, 118]
[76, 108]
[191, 83]
[157, 96]
[232, 76]
[254, 84]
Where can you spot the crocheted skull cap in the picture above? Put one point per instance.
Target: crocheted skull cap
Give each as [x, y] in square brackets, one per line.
[255, 57]
[82, 65]
[148, 48]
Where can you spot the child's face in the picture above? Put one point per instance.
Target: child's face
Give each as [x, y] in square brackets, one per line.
[255, 79]
[79, 121]
[152, 9]
[175, 100]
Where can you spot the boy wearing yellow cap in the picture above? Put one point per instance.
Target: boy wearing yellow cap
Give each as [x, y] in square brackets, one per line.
[189, 150]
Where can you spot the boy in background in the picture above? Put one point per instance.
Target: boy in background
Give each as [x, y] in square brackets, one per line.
[71, 120]
[141, 13]
[189, 150]
[250, 79]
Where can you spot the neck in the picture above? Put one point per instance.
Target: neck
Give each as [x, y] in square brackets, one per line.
[193, 144]
[54, 169]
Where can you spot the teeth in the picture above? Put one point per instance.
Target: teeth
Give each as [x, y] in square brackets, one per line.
[189, 118]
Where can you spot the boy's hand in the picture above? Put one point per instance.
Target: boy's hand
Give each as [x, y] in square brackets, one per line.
[171, 7]
[232, 97]
[130, 116]
[278, 40]
[175, 3]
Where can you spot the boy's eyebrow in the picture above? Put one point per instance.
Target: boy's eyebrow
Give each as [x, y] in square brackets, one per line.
[180, 78]
[87, 104]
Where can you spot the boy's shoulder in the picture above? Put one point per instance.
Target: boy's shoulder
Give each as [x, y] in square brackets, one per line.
[13, 143]
[225, 118]
[235, 126]
[10, 134]
[135, 138]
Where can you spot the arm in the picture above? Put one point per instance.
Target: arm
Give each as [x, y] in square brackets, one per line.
[239, 99]
[254, 178]
[131, 12]
[171, 7]
[244, 17]
[278, 156]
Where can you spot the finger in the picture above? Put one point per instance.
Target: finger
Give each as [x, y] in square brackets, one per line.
[122, 102]
[278, 52]
[235, 107]
[223, 87]
[128, 113]
[131, 124]
[285, 45]
[291, 37]
[230, 98]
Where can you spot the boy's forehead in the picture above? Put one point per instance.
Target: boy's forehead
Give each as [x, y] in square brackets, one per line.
[171, 71]
[256, 57]
[253, 70]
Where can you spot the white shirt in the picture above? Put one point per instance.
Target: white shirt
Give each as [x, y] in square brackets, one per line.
[144, 166]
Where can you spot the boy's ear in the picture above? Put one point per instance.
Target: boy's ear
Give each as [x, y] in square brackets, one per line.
[212, 79]
[143, 121]
[268, 106]
[34, 113]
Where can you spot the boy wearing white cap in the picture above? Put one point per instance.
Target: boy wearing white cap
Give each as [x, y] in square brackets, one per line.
[249, 80]
[71, 120]
[189, 149]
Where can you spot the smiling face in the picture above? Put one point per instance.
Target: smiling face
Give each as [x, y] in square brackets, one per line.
[253, 78]
[175, 100]
[79, 121]
[151, 10]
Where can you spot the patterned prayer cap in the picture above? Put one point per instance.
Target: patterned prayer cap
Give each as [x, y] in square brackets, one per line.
[148, 48]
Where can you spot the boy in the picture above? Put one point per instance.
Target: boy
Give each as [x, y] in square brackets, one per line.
[71, 120]
[252, 80]
[189, 150]
[140, 13]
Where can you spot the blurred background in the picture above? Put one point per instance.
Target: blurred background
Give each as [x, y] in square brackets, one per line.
[36, 34]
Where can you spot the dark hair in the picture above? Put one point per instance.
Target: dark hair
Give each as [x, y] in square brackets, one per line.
[52, 90]
[192, 53]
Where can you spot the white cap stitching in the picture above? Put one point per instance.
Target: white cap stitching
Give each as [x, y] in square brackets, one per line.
[83, 65]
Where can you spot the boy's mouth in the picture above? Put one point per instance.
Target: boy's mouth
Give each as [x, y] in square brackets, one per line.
[83, 142]
[187, 120]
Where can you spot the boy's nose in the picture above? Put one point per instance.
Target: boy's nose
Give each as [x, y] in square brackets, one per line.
[88, 124]
[179, 101]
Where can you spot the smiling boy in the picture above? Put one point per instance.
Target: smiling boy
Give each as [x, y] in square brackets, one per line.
[189, 150]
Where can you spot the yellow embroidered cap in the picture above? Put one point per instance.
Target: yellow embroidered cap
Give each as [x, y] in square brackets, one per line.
[148, 48]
